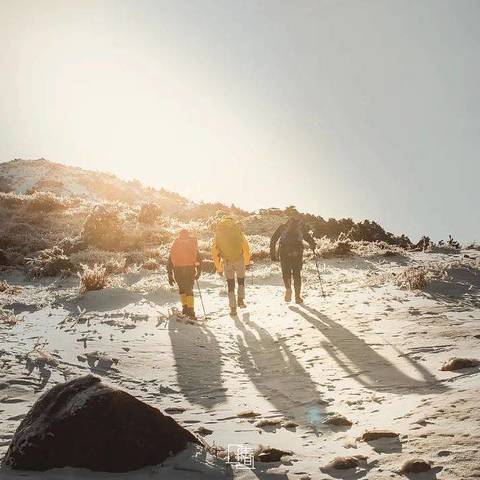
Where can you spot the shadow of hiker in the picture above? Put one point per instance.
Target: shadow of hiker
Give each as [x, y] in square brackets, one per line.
[367, 366]
[277, 374]
[198, 363]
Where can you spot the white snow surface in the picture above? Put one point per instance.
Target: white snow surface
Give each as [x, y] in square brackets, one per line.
[368, 350]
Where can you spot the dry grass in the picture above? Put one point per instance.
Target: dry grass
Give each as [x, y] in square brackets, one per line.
[49, 263]
[93, 278]
[447, 249]
[5, 287]
[375, 249]
[115, 265]
[413, 278]
[36, 202]
[268, 422]
[327, 248]
[8, 318]
[150, 264]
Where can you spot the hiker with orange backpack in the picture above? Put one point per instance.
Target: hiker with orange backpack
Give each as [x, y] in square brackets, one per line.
[184, 267]
[231, 254]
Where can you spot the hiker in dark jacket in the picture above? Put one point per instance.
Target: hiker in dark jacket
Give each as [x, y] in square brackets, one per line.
[291, 235]
[184, 267]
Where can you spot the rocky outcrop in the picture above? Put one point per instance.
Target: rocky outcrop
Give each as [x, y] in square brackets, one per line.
[83, 423]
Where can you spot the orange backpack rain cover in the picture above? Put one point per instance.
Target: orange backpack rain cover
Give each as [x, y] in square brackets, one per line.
[184, 250]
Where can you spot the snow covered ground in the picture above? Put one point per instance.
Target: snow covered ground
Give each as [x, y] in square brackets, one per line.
[368, 351]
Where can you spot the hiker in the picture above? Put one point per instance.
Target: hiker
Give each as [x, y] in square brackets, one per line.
[231, 254]
[184, 267]
[291, 235]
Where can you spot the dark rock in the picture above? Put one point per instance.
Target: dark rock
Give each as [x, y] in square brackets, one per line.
[83, 423]
[343, 463]
[338, 420]
[415, 465]
[174, 410]
[371, 435]
[271, 455]
[444, 453]
[458, 363]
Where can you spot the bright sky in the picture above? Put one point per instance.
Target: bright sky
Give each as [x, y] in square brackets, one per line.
[361, 108]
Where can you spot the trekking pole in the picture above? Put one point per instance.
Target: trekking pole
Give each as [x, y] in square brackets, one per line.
[201, 299]
[319, 276]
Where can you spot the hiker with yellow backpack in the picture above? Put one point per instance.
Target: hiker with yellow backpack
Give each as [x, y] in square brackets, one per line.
[231, 254]
[184, 267]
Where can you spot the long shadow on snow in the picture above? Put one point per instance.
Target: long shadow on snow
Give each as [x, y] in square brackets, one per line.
[115, 298]
[277, 374]
[198, 363]
[367, 366]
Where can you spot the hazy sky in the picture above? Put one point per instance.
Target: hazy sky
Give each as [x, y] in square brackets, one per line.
[361, 108]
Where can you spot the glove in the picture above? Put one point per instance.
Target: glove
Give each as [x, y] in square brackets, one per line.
[198, 273]
[171, 280]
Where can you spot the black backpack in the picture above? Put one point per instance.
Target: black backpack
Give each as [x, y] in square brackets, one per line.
[291, 239]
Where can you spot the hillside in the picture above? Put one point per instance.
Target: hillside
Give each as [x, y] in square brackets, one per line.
[28, 176]
[96, 217]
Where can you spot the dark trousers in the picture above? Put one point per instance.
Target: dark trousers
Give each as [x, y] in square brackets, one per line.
[291, 267]
[185, 278]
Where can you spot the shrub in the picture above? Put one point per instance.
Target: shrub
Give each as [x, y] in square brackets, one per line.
[11, 200]
[441, 248]
[103, 227]
[115, 265]
[92, 278]
[259, 247]
[149, 213]
[5, 287]
[49, 263]
[473, 246]
[72, 244]
[413, 278]
[45, 202]
[329, 249]
[8, 318]
[375, 249]
[150, 264]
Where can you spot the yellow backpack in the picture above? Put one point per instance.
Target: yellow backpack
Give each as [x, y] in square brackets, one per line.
[229, 239]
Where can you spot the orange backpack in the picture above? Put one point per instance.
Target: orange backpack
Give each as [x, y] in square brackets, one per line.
[184, 251]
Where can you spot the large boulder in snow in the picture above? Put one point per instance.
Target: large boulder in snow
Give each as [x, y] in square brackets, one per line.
[83, 423]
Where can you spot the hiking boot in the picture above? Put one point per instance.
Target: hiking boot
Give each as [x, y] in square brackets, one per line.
[241, 303]
[298, 299]
[233, 311]
[190, 313]
[288, 295]
[184, 310]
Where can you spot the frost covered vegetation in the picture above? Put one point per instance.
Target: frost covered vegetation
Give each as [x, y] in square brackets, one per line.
[68, 217]
[92, 278]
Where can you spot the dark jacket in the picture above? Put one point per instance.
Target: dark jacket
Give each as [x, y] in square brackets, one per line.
[287, 249]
